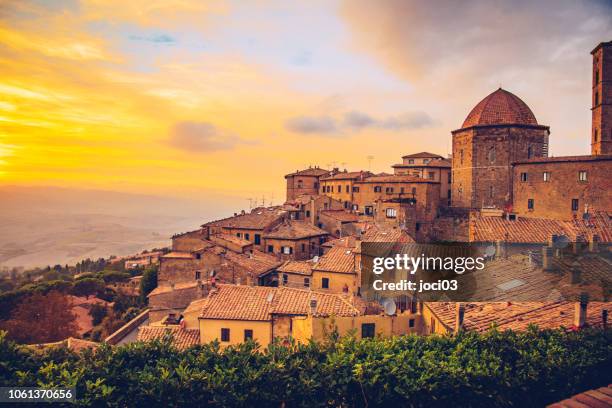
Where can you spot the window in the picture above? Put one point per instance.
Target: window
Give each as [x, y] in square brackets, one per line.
[391, 212]
[530, 204]
[529, 152]
[368, 210]
[225, 334]
[355, 207]
[425, 161]
[287, 250]
[355, 189]
[271, 249]
[575, 204]
[239, 235]
[307, 216]
[368, 330]
[431, 175]
[582, 175]
[432, 325]
[389, 190]
[247, 236]
[417, 226]
[596, 76]
[339, 188]
[285, 279]
[546, 176]
[303, 247]
[491, 191]
[491, 155]
[413, 191]
[198, 256]
[258, 239]
[348, 188]
[411, 323]
[449, 176]
[377, 189]
[595, 135]
[523, 176]
[411, 161]
[325, 283]
[346, 205]
[306, 282]
[596, 98]
[461, 155]
[300, 184]
[198, 275]
[401, 190]
[248, 334]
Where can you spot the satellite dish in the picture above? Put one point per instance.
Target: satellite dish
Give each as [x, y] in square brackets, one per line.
[390, 307]
[490, 251]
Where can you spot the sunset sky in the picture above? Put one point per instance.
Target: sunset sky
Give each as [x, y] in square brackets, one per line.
[187, 98]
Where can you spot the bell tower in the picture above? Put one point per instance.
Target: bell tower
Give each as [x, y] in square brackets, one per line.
[601, 133]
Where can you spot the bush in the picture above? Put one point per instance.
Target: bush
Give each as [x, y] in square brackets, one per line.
[506, 369]
[114, 276]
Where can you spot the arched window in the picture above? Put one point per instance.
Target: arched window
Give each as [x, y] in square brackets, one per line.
[491, 191]
[491, 155]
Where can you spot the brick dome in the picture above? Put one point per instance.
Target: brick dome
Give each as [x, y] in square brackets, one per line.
[500, 108]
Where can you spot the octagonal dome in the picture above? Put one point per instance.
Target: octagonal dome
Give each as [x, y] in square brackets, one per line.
[500, 108]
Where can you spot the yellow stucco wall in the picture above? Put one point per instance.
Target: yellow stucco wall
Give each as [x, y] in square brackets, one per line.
[210, 330]
[428, 318]
[385, 326]
[336, 281]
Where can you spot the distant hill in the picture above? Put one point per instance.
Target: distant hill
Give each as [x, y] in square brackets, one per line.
[42, 226]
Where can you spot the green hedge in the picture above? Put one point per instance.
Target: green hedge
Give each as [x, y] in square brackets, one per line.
[531, 368]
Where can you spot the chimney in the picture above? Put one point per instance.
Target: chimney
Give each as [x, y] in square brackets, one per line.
[459, 316]
[593, 243]
[580, 311]
[313, 306]
[576, 273]
[499, 249]
[604, 319]
[547, 258]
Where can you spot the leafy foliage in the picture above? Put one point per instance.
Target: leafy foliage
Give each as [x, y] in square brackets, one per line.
[532, 368]
[148, 282]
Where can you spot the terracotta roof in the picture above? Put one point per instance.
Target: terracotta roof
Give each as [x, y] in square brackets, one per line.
[337, 259]
[374, 233]
[239, 302]
[297, 267]
[295, 230]
[317, 172]
[341, 215]
[398, 178]
[178, 255]
[232, 239]
[177, 287]
[255, 263]
[302, 199]
[500, 108]
[599, 398]
[516, 316]
[538, 230]
[348, 175]
[258, 218]
[349, 241]
[422, 155]
[442, 163]
[565, 159]
[181, 338]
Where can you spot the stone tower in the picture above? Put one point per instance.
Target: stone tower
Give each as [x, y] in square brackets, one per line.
[500, 130]
[601, 134]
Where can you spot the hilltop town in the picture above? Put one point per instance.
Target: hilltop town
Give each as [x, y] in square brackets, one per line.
[289, 271]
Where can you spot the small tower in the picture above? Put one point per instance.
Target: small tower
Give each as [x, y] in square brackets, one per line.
[601, 133]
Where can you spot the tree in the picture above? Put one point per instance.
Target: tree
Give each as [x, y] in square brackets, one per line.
[98, 313]
[148, 282]
[87, 286]
[42, 319]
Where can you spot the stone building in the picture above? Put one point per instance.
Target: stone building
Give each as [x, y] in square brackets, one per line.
[296, 240]
[341, 186]
[500, 130]
[429, 166]
[601, 137]
[562, 187]
[304, 182]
